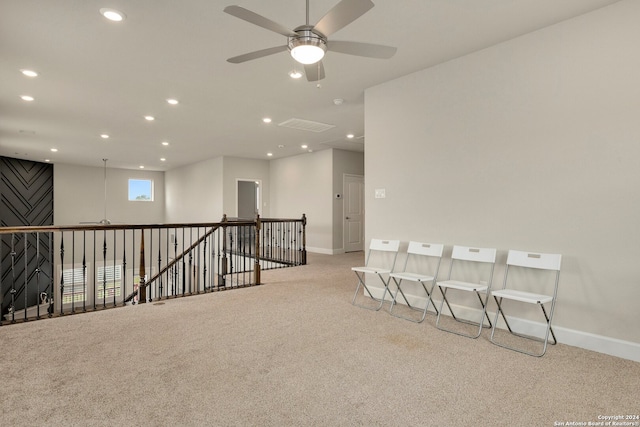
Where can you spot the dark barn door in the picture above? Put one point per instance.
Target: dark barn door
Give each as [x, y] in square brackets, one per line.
[26, 198]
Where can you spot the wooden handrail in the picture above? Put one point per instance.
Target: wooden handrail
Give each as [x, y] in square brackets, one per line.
[91, 227]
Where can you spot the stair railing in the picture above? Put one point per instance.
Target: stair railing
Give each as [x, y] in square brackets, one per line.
[49, 271]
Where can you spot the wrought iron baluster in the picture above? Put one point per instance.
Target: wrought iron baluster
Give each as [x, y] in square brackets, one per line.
[231, 257]
[95, 273]
[184, 267]
[124, 266]
[258, 230]
[204, 264]
[84, 271]
[142, 289]
[133, 263]
[150, 293]
[38, 299]
[73, 272]
[174, 285]
[222, 253]
[159, 264]
[104, 269]
[169, 272]
[190, 260]
[26, 276]
[50, 291]
[212, 260]
[1, 275]
[13, 278]
[114, 269]
[304, 239]
[198, 254]
[61, 273]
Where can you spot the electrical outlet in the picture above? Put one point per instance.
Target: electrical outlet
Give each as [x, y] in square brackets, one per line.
[380, 193]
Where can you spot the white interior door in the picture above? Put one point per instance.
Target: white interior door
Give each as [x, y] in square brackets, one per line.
[353, 228]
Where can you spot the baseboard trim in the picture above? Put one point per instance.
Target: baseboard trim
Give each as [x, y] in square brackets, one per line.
[599, 343]
[325, 251]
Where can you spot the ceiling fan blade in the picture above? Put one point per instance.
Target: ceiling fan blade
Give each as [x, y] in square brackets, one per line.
[259, 20]
[342, 15]
[257, 54]
[362, 49]
[314, 72]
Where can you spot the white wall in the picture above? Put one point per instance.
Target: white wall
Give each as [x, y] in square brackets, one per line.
[307, 184]
[79, 196]
[194, 192]
[204, 191]
[235, 169]
[344, 162]
[532, 144]
[303, 184]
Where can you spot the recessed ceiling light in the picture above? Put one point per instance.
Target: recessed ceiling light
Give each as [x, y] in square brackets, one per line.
[27, 98]
[295, 74]
[141, 166]
[165, 143]
[266, 120]
[350, 135]
[149, 118]
[54, 150]
[47, 160]
[281, 146]
[29, 73]
[269, 154]
[162, 159]
[104, 136]
[304, 146]
[112, 14]
[172, 101]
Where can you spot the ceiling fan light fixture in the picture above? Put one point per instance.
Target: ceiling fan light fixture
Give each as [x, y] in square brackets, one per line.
[307, 54]
[307, 48]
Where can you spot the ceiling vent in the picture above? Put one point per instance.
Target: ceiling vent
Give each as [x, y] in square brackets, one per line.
[306, 125]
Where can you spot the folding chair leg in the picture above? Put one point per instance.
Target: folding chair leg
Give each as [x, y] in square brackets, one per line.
[545, 341]
[399, 289]
[424, 312]
[480, 324]
[364, 286]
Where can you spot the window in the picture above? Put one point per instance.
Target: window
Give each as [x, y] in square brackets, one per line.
[141, 190]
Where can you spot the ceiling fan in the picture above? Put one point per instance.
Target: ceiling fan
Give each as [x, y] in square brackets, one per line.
[308, 43]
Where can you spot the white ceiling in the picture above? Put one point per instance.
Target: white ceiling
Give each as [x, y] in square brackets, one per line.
[99, 77]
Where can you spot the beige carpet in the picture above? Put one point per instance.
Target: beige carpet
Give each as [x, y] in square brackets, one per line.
[293, 352]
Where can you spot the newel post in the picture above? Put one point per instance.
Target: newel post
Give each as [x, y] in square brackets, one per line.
[142, 288]
[256, 267]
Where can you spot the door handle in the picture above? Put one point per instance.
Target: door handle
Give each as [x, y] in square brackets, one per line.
[347, 218]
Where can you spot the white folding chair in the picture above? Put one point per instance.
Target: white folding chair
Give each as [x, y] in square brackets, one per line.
[526, 261]
[469, 259]
[417, 252]
[381, 260]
